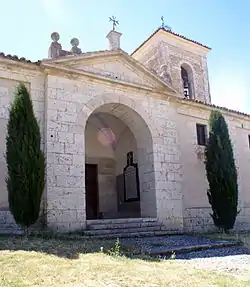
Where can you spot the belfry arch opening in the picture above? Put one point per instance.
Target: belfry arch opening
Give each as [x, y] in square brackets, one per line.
[187, 81]
[119, 164]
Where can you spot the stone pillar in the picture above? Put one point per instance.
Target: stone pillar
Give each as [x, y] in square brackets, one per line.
[65, 157]
[114, 40]
[168, 169]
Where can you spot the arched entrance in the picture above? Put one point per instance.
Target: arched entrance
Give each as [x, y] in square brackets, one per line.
[119, 164]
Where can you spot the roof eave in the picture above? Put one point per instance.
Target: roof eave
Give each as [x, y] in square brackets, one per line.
[213, 106]
[206, 48]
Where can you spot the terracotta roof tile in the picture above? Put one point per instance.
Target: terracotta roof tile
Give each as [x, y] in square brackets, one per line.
[16, 58]
[217, 107]
[170, 32]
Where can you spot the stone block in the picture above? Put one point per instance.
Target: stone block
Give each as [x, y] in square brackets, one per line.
[64, 159]
[68, 117]
[52, 115]
[74, 148]
[57, 126]
[78, 159]
[55, 147]
[65, 137]
[70, 181]
[51, 179]
[77, 170]
[58, 169]
[79, 139]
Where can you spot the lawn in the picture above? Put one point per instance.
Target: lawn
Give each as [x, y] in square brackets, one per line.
[75, 262]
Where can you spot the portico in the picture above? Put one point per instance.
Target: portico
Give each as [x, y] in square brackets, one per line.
[118, 139]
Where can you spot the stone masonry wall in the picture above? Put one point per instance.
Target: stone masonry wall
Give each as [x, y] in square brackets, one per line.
[161, 53]
[196, 209]
[10, 76]
[69, 104]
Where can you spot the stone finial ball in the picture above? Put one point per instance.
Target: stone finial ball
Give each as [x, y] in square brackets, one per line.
[55, 36]
[74, 42]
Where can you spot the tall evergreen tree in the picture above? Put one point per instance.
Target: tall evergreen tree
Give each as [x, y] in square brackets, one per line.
[25, 160]
[221, 173]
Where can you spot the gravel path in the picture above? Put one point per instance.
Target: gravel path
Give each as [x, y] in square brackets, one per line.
[168, 244]
[231, 260]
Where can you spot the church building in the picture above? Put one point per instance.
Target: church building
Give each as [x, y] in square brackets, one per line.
[124, 134]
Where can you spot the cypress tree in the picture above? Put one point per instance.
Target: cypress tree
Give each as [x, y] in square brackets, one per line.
[25, 161]
[221, 173]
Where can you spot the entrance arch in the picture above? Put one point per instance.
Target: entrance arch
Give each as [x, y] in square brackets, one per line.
[114, 132]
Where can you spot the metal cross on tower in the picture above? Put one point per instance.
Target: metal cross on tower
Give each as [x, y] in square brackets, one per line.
[163, 24]
[114, 21]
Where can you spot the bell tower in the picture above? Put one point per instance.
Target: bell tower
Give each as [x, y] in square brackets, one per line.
[179, 61]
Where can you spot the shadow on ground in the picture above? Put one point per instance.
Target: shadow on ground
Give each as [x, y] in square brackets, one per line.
[62, 246]
[150, 248]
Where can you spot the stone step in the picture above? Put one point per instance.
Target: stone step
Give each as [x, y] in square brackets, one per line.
[122, 230]
[122, 227]
[120, 221]
[129, 235]
[112, 226]
[13, 230]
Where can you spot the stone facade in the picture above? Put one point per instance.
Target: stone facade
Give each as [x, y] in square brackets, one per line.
[76, 97]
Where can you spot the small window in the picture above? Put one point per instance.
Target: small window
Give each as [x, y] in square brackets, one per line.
[201, 134]
[249, 141]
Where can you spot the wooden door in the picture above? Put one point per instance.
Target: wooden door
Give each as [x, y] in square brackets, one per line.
[91, 184]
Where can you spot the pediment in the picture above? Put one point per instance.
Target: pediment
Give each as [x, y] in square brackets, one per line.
[115, 65]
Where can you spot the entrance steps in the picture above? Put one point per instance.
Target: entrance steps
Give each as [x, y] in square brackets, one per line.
[123, 228]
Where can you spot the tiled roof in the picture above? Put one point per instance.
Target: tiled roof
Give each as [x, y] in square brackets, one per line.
[16, 58]
[217, 107]
[170, 32]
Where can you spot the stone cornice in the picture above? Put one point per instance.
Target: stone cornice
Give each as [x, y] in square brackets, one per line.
[161, 93]
[72, 60]
[83, 56]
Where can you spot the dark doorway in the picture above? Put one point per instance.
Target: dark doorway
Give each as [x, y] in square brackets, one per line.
[91, 185]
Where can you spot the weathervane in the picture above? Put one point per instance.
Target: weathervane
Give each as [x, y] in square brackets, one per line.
[114, 22]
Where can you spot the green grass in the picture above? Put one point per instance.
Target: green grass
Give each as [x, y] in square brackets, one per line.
[75, 262]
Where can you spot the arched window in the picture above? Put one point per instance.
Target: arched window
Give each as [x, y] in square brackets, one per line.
[187, 81]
